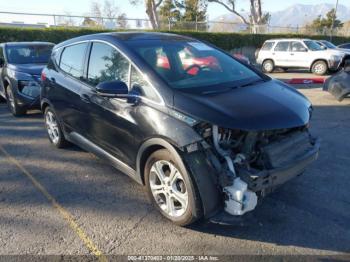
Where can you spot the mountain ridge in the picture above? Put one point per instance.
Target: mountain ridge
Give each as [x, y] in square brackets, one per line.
[297, 15]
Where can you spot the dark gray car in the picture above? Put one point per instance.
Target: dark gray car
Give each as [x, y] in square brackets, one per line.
[21, 64]
[339, 84]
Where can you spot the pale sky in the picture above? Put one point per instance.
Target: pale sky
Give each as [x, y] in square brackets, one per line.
[82, 7]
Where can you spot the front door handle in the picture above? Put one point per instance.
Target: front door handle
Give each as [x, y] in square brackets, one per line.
[85, 98]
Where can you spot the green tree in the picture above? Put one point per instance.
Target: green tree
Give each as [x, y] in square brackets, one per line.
[169, 10]
[195, 10]
[322, 23]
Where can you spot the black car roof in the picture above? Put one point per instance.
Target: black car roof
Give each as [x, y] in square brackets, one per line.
[128, 36]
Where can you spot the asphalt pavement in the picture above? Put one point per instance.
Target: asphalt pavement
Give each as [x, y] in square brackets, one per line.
[69, 202]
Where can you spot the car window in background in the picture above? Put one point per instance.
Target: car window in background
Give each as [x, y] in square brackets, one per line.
[107, 64]
[196, 65]
[267, 46]
[346, 46]
[312, 45]
[297, 47]
[72, 60]
[141, 86]
[28, 54]
[329, 44]
[282, 46]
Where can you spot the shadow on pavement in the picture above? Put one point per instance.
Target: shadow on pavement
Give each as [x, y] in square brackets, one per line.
[311, 211]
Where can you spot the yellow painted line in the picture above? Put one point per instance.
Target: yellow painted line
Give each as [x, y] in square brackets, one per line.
[61, 210]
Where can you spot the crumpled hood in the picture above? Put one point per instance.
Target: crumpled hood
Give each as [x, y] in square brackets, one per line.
[265, 106]
[32, 69]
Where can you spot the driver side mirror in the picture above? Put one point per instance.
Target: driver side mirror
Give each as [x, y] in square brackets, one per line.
[303, 49]
[117, 89]
[323, 47]
[347, 65]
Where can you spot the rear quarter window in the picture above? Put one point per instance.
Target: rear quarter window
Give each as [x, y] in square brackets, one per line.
[267, 46]
[282, 46]
[72, 59]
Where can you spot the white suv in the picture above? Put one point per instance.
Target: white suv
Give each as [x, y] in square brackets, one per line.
[298, 53]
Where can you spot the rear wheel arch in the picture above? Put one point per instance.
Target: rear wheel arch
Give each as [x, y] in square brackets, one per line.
[268, 60]
[44, 105]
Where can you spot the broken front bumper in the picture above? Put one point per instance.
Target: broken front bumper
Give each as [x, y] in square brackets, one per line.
[338, 85]
[266, 181]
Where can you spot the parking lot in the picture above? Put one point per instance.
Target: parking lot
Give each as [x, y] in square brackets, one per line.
[68, 202]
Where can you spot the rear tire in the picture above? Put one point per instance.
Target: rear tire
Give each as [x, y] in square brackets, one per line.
[12, 103]
[319, 68]
[171, 189]
[268, 66]
[54, 129]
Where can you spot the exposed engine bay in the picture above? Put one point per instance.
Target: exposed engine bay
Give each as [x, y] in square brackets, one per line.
[252, 164]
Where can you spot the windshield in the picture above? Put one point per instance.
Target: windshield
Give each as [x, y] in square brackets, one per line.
[313, 46]
[329, 45]
[186, 65]
[28, 54]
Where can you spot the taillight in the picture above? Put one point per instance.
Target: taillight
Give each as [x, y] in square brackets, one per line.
[43, 76]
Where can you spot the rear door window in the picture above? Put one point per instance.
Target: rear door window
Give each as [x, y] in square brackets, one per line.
[297, 47]
[72, 60]
[267, 46]
[282, 46]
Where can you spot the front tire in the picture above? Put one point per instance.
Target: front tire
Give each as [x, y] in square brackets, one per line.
[170, 188]
[319, 68]
[12, 103]
[268, 66]
[54, 129]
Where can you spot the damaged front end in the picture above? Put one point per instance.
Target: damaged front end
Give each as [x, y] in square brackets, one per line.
[252, 164]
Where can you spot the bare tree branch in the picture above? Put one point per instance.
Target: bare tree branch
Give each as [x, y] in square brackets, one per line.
[231, 9]
[159, 3]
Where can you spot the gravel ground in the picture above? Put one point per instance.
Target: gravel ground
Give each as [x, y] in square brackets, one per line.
[309, 215]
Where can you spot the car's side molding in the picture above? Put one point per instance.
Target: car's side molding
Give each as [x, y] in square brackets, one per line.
[95, 149]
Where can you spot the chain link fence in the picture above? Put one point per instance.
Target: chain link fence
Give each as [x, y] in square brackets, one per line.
[122, 23]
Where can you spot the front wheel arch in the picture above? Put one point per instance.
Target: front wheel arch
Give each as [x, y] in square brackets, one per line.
[146, 150]
[197, 165]
[319, 60]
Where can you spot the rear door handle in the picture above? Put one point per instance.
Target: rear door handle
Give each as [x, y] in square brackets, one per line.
[85, 98]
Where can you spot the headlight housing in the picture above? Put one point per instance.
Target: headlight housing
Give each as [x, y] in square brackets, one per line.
[336, 58]
[29, 88]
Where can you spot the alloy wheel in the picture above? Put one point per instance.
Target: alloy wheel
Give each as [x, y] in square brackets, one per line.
[168, 188]
[52, 127]
[319, 68]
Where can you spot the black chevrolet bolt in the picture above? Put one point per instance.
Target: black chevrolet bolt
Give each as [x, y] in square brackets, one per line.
[207, 135]
[21, 64]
